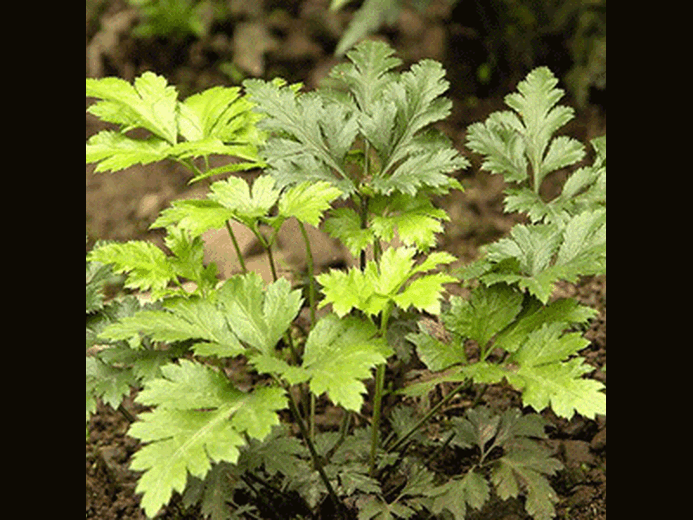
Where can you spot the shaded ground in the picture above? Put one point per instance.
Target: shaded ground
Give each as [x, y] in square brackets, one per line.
[121, 206]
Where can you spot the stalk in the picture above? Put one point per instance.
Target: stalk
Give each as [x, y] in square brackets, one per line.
[378, 398]
[317, 463]
[236, 247]
[311, 273]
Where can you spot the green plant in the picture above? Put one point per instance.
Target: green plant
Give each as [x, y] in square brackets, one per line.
[174, 18]
[361, 155]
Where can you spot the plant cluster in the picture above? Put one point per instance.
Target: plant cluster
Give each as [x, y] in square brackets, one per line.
[225, 366]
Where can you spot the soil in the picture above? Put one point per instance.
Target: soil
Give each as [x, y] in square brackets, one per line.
[297, 43]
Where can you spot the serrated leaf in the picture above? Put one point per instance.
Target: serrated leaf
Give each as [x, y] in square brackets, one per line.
[114, 151]
[195, 216]
[149, 103]
[344, 224]
[199, 418]
[487, 312]
[234, 194]
[181, 320]
[259, 315]
[308, 201]
[371, 289]
[415, 219]
[542, 370]
[456, 494]
[146, 265]
[367, 74]
[339, 353]
[516, 471]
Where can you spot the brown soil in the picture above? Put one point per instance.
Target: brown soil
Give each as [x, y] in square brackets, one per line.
[122, 206]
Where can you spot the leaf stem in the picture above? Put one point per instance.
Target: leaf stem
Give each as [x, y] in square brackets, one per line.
[311, 273]
[236, 247]
[317, 462]
[379, 387]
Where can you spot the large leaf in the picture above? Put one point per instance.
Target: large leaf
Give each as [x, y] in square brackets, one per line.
[199, 418]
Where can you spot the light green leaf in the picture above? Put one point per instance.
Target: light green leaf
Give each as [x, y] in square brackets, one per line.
[339, 353]
[195, 216]
[234, 194]
[181, 320]
[259, 315]
[424, 293]
[114, 151]
[415, 219]
[149, 103]
[308, 201]
[199, 418]
[146, 265]
[344, 224]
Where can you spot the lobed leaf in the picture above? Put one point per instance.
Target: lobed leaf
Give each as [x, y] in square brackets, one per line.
[199, 418]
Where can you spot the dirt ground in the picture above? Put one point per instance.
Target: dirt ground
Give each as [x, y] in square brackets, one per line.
[122, 206]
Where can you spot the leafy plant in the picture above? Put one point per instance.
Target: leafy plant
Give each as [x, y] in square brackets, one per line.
[229, 368]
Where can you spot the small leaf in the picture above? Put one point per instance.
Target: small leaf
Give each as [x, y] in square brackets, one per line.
[308, 201]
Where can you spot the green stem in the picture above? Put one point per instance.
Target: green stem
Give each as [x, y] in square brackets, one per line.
[377, 409]
[311, 274]
[317, 462]
[236, 247]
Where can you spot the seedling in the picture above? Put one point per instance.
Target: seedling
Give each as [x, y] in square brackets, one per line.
[361, 157]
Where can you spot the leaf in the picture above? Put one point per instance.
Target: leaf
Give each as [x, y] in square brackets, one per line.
[339, 354]
[525, 469]
[308, 201]
[114, 151]
[259, 315]
[368, 73]
[456, 494]
[371, 290]
[488, 311]
[195, 216]
[344, 224]
[536, 257]
[415, 219]
[149, 103]
[512, 141]
[146, 265]
[181, 320]
[199, 418]
[216, 121]
[234, 194]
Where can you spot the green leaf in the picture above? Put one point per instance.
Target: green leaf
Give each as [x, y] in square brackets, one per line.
[415, 219]
[344, 224]
[339, 353]
[308, 201]
[368, 73]
[195, 216]
[259, 315]
[542, 371]
[234, 194]
[199, 418]
[146, 265]
[114, 151]
[488, 311]
[513, 141]
[458, 493]
[181, 320]
[371, 290]
[149, 103]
